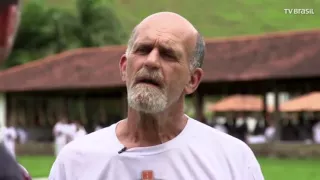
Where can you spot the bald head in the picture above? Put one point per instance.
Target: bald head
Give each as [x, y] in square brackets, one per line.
[171, 20]
[168, 22]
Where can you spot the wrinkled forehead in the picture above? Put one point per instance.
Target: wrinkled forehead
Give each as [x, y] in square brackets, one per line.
[171, 37]
[161, 36]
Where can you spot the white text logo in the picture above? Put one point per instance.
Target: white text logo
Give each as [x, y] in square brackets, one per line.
[299, 11]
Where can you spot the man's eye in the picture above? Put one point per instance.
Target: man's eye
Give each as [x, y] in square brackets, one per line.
[169, 55]
[143, 50]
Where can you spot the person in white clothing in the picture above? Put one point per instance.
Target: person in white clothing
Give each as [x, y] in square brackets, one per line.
[98, 127]
[270, 132]
[10, 137]
[22, 135]
[220, 124]
[157, 140]
[73, 126]
[316, 133]
[60, 131]
[80, 131]
[71, 130]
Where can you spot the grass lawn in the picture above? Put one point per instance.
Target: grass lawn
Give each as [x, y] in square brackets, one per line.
[273, 169]
[291, 169]
[38, 166]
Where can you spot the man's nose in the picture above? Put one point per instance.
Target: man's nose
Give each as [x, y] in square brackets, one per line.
[153, 60]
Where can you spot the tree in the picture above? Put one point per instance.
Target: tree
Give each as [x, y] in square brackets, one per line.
[35, 35]
[46, 30]
[98, 24]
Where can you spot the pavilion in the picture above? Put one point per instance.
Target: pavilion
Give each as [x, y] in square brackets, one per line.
[85, 83]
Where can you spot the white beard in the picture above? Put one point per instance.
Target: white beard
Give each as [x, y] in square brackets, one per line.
[147, 99]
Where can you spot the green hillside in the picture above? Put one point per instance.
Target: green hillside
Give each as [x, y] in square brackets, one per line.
[220, 18]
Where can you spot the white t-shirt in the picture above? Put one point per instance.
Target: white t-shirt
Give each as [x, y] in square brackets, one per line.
[98, 128]
[81, 132]
[22, 134]
[72, 127]
[221, 128]
[10, 136]
[60, 130]
[270, 132]
[256, 139]
[71, 131]
[199, 152]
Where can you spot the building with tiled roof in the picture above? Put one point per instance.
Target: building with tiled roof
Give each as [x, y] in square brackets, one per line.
[248, 64]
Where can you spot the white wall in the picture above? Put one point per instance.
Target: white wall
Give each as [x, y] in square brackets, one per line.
[2, 109]
[283, 97]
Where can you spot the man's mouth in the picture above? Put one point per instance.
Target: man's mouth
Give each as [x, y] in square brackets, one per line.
[149, 81]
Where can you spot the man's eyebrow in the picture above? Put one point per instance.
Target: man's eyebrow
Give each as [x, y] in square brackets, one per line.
[139, 44]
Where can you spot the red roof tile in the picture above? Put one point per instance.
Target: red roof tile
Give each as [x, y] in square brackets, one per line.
[81, 68]
[308, 102]
[238, 103]
[276, 55]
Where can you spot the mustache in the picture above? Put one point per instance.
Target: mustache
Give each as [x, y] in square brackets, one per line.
[150, 75]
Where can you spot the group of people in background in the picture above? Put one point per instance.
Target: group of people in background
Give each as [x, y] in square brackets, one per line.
[247, 129]
[65, 132]
[260, 132]
[254, 131]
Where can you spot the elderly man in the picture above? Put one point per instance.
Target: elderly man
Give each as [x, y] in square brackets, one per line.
[9, 20]
[157, 140]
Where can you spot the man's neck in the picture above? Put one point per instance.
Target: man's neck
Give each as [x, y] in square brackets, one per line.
[142, 130]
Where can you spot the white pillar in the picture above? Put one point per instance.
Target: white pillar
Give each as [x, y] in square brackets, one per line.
[3, 109]
[283, 97]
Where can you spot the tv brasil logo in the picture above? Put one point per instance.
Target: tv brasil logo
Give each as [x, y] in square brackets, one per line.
[299, 11]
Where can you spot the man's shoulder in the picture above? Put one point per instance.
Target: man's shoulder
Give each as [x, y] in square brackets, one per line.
[92, 149]
[217, 138]
[101, 141]
[223, 145]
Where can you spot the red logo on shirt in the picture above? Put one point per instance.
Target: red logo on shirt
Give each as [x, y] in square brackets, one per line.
[147, 175]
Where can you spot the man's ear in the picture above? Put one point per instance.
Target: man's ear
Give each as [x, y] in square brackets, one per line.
[9, 19]
[194, 81]
[123, 67]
